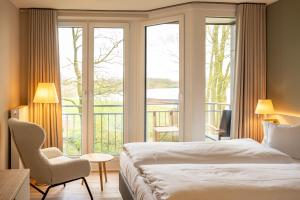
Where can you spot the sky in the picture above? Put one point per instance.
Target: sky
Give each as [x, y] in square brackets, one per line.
[162, 51]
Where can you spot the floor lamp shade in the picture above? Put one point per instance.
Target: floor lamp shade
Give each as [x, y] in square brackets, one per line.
[45, 93]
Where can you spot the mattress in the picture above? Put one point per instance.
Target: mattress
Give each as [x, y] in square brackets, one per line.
[139, 188]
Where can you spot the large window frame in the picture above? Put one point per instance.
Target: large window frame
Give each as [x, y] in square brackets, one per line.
[191, 18]
[84, 79]
[166, 20]
[91, 79]
[231, 21]
[87, 137]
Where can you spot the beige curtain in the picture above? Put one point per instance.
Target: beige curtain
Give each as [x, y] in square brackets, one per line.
[43, 66]
[250, 72]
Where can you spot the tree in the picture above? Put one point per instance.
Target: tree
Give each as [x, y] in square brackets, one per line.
[102, 86]
[219, 71]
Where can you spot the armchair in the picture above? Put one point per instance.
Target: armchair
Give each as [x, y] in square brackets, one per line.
[47, 166]
[224, 127]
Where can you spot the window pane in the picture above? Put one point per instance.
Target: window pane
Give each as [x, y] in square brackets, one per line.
[219, 62]
[162, 82]
[70, 53]
[108, 90]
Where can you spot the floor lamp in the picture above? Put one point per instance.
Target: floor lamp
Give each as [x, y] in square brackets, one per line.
[45, 93]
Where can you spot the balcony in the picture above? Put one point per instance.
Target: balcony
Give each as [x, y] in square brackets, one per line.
[108, 125]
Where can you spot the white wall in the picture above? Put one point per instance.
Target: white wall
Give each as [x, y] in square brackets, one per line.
[9, 71]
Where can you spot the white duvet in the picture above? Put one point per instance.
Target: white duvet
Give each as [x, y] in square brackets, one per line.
[228, 151]
[223, 181]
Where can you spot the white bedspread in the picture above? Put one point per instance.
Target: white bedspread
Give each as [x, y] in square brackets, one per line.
[224, 181]
[136, 182]
[227, 151]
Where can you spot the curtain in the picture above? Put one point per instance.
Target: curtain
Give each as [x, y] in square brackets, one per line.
[250, 71]
[43, 66]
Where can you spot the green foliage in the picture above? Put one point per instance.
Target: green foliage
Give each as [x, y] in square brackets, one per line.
[108, 127]
[219, 74]
[103, 87]
[153, 83]
[219, 70]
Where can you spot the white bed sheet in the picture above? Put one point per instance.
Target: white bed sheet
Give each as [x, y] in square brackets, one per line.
[136, 182]
[228, 151]
[139, 187]
[143, 191]
[224, 181]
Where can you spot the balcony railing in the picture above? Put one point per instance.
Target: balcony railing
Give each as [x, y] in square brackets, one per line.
[108, 124]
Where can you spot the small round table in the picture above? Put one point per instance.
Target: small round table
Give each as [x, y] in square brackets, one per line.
[101, 159]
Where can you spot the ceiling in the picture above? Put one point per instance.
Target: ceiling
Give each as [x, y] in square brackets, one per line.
[114, 4]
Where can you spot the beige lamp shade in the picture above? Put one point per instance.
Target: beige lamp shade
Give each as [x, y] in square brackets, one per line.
[264, 107]
[45, 93]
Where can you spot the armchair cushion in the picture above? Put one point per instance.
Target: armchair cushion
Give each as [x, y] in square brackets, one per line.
[52, 152]
[64, 168]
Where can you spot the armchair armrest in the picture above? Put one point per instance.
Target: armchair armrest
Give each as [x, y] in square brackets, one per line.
[52, 152]
[215, 129]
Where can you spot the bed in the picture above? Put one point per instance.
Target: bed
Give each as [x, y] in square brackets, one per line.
[146, 169]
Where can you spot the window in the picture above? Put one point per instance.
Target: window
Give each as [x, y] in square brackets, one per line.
[169, 84]
[92, 87]
[220, 55]
[108, 89]
[162, 82]
[70, 48]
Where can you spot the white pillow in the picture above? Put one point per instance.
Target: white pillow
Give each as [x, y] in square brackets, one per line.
[285, 138]
[265, 140]
[266, 130]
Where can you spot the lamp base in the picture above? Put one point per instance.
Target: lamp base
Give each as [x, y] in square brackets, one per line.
[275, 121]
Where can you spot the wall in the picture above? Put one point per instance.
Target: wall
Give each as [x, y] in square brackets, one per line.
[283, 56]
[9, 71]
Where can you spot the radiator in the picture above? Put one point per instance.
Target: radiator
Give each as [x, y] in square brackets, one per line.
[21, 113]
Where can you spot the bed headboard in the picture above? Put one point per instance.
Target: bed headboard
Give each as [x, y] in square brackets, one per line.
[287, 119]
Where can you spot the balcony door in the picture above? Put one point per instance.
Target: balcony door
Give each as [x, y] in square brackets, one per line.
[92, 82]
[107, 82]
[219, 68]
[163, 63]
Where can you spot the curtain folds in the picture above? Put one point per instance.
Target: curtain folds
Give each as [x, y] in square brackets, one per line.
[43, 66]
[250, 72]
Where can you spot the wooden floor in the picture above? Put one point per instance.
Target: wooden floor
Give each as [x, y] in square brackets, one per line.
[76, 191]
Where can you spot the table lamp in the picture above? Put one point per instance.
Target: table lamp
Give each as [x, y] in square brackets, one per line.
[45, 93]
[265, 107]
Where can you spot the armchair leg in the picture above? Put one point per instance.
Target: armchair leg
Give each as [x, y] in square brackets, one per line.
[45, 194]
[36, 188]
[87, 187]
[63, 183]
[40, 191]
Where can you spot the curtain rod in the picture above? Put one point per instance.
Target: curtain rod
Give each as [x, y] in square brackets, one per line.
[150, 10]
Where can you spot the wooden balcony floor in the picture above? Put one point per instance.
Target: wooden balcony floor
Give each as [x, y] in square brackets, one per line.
[76, 191]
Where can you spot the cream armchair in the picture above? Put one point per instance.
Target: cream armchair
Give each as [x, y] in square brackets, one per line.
[47, 166]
